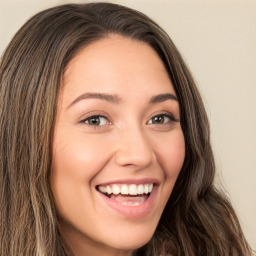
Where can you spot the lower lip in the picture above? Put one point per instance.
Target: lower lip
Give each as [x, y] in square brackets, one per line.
[133, 211]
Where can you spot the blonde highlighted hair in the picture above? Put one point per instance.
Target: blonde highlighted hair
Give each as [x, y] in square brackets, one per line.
[197, 220]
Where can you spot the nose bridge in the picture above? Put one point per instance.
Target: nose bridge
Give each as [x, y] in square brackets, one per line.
[134, 148]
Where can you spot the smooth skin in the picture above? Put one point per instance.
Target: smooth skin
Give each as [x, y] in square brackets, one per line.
[111, 126]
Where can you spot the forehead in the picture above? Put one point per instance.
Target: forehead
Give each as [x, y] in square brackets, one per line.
[117, 64]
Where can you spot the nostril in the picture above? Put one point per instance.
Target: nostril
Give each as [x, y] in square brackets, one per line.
[134, 158]
[134, 148]
[129, 165]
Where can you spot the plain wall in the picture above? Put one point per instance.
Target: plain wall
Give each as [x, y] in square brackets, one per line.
[218, 41]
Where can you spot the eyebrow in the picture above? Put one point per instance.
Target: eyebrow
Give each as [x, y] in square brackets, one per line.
[163, 97]
[115, 99]
[102, 96]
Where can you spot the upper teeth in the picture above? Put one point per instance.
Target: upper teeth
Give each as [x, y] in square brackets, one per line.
[125, 189]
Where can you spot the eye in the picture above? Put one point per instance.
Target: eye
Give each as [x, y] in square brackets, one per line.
[161, 119]
[96, 120]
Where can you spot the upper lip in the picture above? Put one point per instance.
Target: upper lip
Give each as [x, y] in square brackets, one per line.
[131, 181]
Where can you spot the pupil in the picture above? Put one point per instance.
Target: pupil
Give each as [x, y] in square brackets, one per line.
[94, 121]
[158, 119]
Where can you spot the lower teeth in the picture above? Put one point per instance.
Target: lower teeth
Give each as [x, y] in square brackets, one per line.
[131, 203]
[129, 199]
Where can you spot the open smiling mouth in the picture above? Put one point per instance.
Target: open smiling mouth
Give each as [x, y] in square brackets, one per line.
[127, 194]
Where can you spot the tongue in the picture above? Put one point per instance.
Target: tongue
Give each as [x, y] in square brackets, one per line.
[128, 199]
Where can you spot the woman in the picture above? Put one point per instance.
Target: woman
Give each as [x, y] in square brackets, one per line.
[105, 146]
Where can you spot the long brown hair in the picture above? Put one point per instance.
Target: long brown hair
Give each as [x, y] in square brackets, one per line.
[197, 220]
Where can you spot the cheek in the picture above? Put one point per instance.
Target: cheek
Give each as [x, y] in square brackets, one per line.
[170, 154]
[170, 151]
[78, 155]
[175, 152]
[173, 155]
[76, 162]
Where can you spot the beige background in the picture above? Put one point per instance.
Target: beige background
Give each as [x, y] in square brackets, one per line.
[218, 41]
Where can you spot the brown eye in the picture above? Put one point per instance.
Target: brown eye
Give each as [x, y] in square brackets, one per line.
[161, 119]
[158, 119]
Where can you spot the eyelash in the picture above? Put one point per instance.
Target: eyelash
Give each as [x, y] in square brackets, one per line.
[165, 114]
[95, 116]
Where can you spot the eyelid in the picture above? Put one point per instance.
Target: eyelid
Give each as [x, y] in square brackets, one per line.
[95, 114]
[165, 113]
[98, 117]
[109, 122]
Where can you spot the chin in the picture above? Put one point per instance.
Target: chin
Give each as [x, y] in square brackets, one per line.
[132, 240]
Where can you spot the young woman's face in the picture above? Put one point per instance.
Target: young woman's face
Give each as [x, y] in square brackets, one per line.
[118, 146]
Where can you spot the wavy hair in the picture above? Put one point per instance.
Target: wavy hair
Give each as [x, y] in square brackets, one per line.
[197, 220]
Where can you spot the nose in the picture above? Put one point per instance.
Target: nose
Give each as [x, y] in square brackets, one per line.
[134, 149]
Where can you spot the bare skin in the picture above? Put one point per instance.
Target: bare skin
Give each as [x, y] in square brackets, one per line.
[117, 126]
